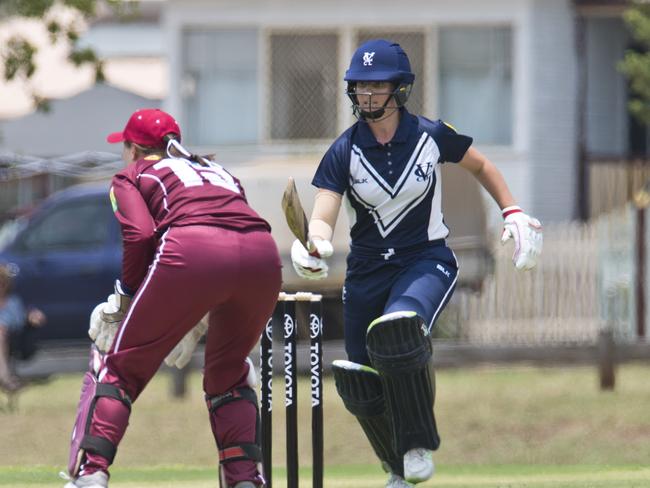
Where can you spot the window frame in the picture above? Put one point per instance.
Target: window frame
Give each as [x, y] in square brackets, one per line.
[514, 82]
[346, 36]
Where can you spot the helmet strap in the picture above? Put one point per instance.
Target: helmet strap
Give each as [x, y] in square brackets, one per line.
[400, 95]
[375, 114]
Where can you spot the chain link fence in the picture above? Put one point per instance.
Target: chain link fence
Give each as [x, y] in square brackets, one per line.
[304, 88]
[306, 80]
[26, 180]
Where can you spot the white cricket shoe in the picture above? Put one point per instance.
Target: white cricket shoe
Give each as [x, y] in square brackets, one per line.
[98, 479]
[245, 484]
[418, 465]
[396, 481]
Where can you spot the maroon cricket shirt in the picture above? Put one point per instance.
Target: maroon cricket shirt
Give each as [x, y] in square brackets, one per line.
[153, 194]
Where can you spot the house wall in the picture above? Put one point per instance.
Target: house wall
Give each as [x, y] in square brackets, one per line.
[540, 162]
[553, 115]
[607, 115]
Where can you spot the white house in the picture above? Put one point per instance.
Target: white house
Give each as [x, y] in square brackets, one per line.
[260, 83]
[528, 79]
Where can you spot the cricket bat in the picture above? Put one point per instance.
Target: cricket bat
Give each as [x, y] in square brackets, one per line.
[294, 214]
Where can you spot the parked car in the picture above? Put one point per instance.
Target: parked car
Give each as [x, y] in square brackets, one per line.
[66, 255]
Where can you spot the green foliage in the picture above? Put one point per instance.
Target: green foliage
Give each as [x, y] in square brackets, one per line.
[42, 104]
[19, 54]
[636, 63]
[83, 56]
[86, 7]
[19, 58]
[25, 8]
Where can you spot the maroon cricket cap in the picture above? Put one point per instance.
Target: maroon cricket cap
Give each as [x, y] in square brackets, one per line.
[147, 127]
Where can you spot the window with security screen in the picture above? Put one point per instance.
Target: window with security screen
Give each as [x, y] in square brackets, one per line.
[219, 86]
[413, 45]
[475, 73]
[304, 85]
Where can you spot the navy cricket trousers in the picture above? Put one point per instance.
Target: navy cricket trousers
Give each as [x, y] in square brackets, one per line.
[378, 282]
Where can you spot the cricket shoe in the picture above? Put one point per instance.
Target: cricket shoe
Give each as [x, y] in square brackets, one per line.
[245, 484]
[418, 465]
[98, 479]
[396, 481]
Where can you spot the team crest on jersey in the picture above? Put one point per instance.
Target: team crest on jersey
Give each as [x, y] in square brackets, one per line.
[368, 58]
[423, 171]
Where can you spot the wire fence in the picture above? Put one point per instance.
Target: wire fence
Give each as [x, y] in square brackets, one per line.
[26, 180]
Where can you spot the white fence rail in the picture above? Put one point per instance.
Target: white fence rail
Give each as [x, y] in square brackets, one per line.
[583, 284]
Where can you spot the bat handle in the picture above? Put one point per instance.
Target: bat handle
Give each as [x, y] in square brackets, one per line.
[311, 248]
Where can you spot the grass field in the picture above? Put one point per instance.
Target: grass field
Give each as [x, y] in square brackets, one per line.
[501, 427]
[362, 477]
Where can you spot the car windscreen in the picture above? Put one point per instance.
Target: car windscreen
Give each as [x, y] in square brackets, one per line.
[10, 229]
[75, 224]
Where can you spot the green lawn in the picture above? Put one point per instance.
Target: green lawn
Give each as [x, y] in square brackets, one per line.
[351, 476]
[500, 427]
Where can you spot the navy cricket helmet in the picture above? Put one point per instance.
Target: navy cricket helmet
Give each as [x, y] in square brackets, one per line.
[379, 60]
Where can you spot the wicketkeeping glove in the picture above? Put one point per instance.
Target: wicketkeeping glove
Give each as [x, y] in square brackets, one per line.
[120, 305]
[311, 266]
[106, 318]
[102, 332]
[527, 235]
[182, 353]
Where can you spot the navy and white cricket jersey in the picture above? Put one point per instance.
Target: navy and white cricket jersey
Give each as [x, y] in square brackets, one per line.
[393, 194]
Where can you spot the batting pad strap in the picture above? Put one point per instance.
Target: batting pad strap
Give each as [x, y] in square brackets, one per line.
[111, 391]
[99, 445]
[219, 401]
[240, 452]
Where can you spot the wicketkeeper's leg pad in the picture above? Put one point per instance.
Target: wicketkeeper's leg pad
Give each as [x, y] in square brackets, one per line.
[400, 349]
[82, 442]
[360, 389]
[238, 451]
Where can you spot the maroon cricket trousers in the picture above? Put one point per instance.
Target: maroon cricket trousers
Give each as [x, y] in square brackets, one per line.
[232, 275]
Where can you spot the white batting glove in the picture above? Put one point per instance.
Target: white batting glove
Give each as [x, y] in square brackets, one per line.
[182, 353]
[311, 266]
[103, 327]
[320, 248]
[527, 235]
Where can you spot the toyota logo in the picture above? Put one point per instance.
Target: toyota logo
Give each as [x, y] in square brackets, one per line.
[268, 330]
[288, 326]
[314, 325]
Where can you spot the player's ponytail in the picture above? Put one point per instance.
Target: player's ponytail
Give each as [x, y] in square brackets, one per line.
[176, 150]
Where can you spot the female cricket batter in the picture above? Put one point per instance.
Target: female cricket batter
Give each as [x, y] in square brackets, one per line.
[192, 246]
[400, 272]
